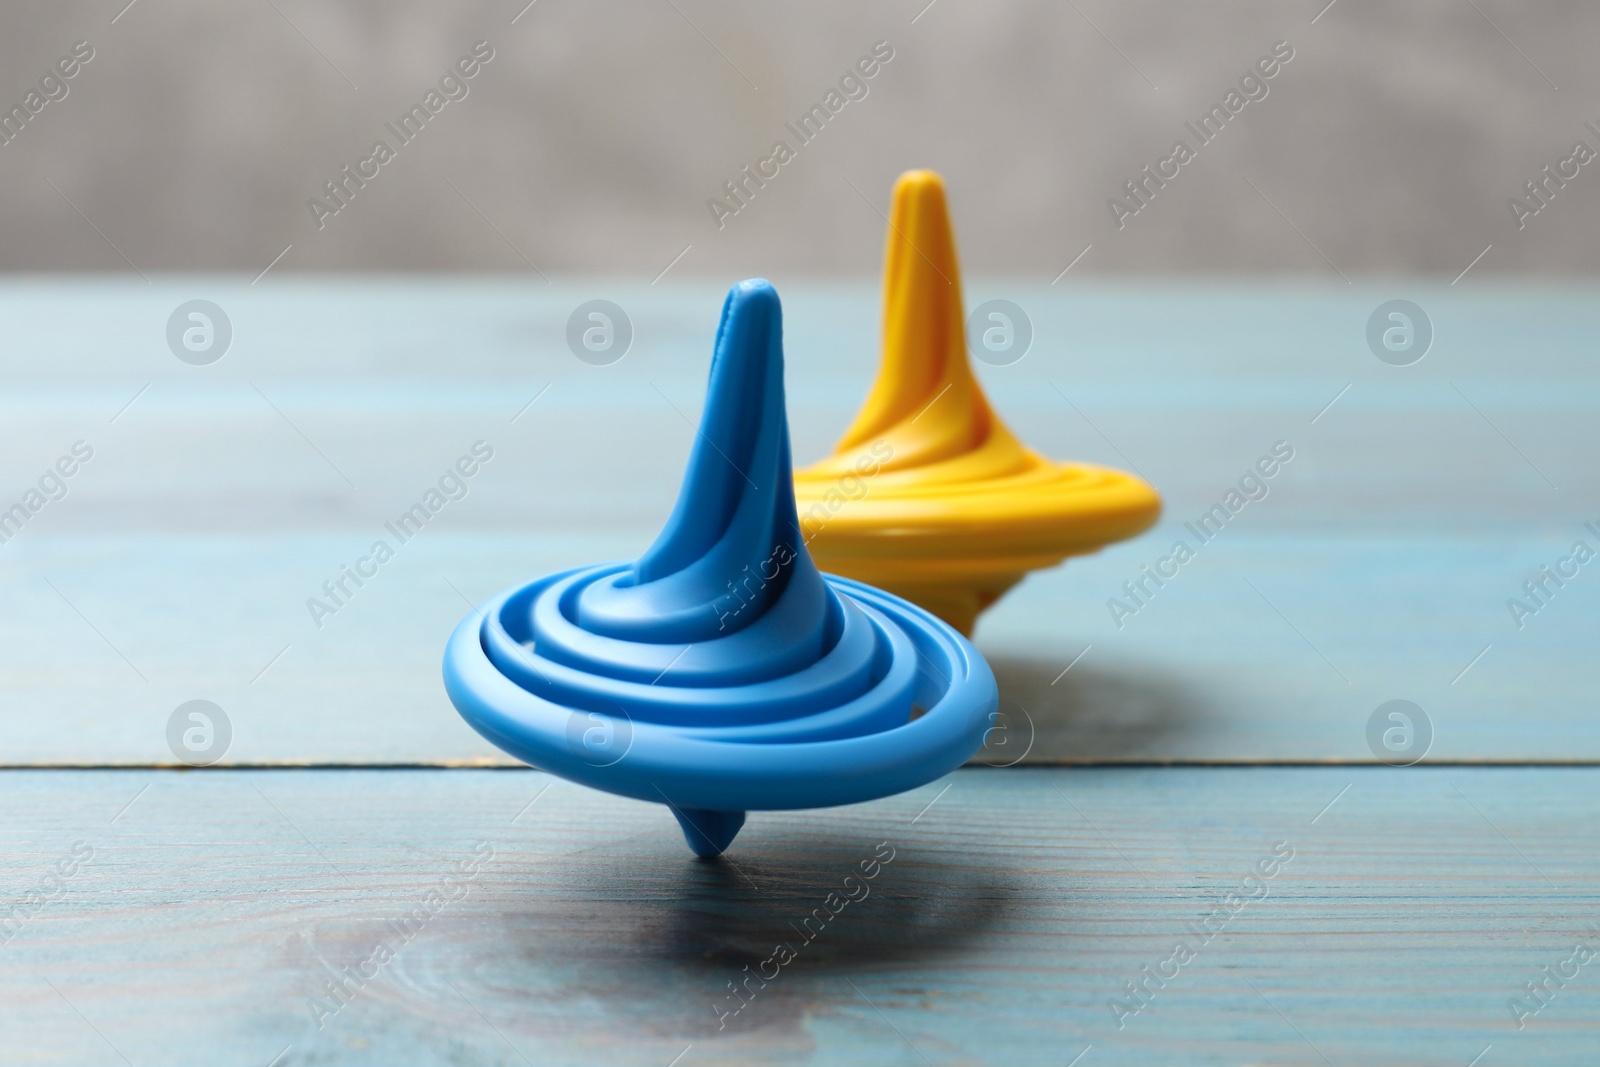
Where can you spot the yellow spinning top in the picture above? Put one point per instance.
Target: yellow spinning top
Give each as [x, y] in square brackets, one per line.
[928, 494]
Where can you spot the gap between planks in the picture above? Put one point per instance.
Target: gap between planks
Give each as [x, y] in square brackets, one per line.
[473, 765]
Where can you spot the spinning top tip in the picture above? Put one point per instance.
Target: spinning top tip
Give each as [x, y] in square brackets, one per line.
[709, 833]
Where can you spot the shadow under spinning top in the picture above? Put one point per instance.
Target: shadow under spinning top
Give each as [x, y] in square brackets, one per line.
[720, 672]
[955, 509]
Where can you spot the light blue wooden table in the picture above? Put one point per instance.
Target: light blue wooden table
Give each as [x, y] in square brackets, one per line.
[206, 909]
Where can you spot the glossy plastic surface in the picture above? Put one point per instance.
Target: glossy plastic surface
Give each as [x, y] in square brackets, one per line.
[721, 672]
[928, 494]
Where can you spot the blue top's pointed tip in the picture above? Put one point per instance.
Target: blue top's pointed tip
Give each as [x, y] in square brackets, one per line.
[709, 833]
[751, 304]
[754, 287]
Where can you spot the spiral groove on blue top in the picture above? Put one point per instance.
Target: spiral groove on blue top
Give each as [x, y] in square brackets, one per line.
[721, 671]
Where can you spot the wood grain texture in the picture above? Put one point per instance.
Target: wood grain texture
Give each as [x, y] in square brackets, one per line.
[180, 562]
[1412, 906]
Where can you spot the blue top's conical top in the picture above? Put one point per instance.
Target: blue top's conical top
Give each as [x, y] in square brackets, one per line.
[732, 548]
[720, 672]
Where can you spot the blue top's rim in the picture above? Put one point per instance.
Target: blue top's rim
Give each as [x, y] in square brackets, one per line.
[687, 769]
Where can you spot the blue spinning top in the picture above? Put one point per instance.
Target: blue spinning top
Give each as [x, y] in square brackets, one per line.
[721, 671]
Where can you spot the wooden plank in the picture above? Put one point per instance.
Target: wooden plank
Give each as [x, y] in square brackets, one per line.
[1404, 910]
[180, 562]
[1209, 671]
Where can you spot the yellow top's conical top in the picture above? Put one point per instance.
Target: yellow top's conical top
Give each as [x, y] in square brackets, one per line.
[928, 494]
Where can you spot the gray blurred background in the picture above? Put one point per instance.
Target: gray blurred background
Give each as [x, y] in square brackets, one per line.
[593, 139]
